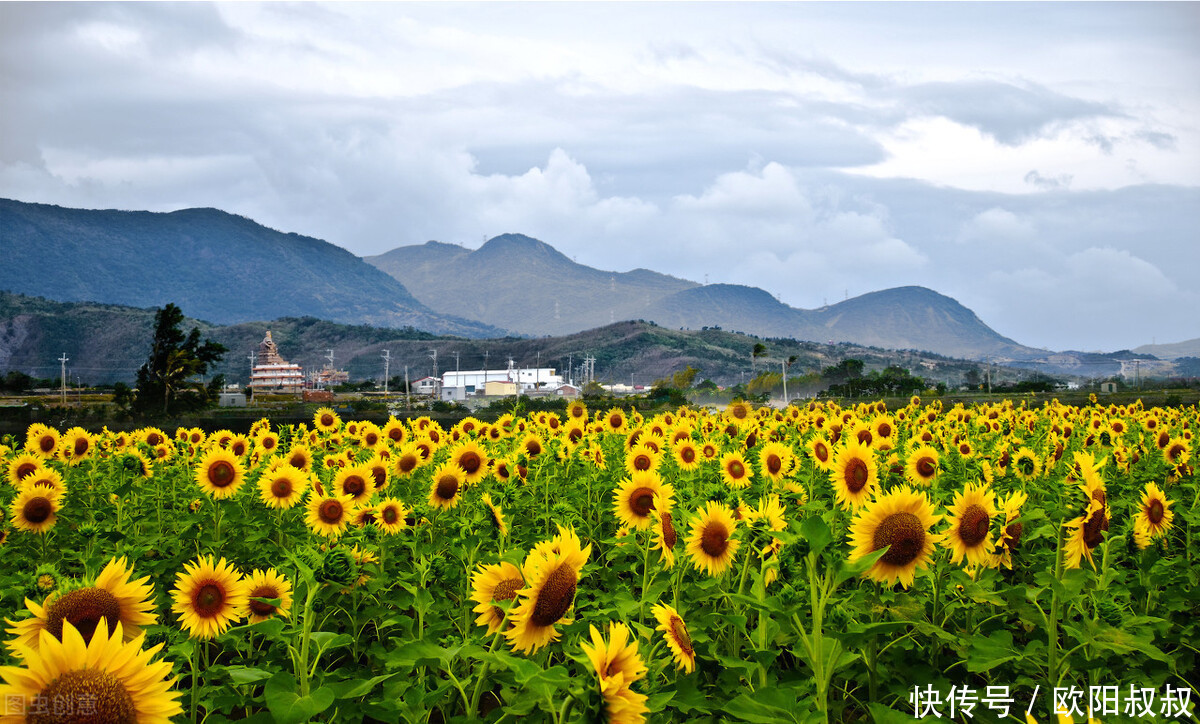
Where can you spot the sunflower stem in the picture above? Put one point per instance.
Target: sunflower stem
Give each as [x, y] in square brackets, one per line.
[473, 706]
[1052, 662]
[195, 669]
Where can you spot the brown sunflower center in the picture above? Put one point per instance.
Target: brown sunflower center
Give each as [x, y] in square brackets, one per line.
[208, 599]
[556, 596]
[447, 487]
[83, 607]
[1093, 529]
[856, 475]
[679, 633]
[1014, 532]
[884, 430]
[505, 590]
[1155, 511]
[470, 462]
[533, 448]
[297, 460]
[641, 501]
[407, 463]
[327, 420]
[688, 454]
[973, 525]
[81, 446]
[926, 467]
[1174, 453]
[330, 511]
[281, 487]
[37, 510]
[221, 474]
[864, 437]
[24, 470]
[668, 530]
[258, 608]
[737, 471]
[389, 515]
[642, 462]
[774, 464]
[88, 696]
[575, 435]
[904, 533]
[354, 485]
[821, 451]
[47, 443]
[714, 540]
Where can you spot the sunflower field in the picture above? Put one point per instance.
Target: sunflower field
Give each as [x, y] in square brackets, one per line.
[813, 564]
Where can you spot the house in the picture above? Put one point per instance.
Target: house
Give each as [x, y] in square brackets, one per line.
[273, 372]
[426, 386]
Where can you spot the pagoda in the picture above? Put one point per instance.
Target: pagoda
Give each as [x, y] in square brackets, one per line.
[272, 372]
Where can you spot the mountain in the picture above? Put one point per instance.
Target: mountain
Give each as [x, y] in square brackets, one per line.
[214, 265]
[1187, 348]
[522, 284]
[525, 285]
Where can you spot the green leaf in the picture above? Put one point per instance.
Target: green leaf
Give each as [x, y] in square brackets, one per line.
[415, 653]
[987, 652]
[852, 569]
[883, 715]
[242, 675]
[354, 689]
[765, 706]
[287, 706]
[325, 640]
[689, 698]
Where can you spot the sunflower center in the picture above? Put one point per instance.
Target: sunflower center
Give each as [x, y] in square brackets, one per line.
[926, 467]
[46, 444]
[856, 475]
[327, 420]
[736, 469]
[774, 464]
[1155, 512]
[1014, 532]
[281, 487]
[221, 474]
[688, 455]
[258, 608]
[330, 511]
[642, 462]
[83, 607]
[1026, 465]
[973, 526]
[864, 437]
[668, 530]
[81, 446]
[37, 510]
[354, 485]
[407, 463]
[1093, 529]
[533, 448]
[904, 533]
[90, 696]
[26, 469]
[641, 501]
[389, 515]
[1174, 453]
[208, 599]
[884, 430]
[679, 632]
[821, 451]
[714, 541]
[447, 487]
[469, 462]
[556, 596]
[505, 590]
[297, 460]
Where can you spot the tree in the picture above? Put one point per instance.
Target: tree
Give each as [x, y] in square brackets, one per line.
[760, 350]
[165, 381]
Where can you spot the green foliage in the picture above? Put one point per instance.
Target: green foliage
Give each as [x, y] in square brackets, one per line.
[164, 382]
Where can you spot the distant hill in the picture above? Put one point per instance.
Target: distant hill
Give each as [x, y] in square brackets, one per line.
[214, 265]
[525, 285]
[1187, 348]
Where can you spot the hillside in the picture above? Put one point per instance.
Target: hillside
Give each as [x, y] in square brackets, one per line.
[525, 285]
[216, 266]
[1187, 348]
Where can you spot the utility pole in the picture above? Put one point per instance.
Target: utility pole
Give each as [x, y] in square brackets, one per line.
[537, 372]
[570, 369]
[407, 390]
[1137, 367]
[989, 375]
[783, 364]
[437, 381]
[63, 376]
[387, 361]
[486, 353]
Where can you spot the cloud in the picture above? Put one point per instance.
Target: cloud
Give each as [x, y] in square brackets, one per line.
[1061, 181]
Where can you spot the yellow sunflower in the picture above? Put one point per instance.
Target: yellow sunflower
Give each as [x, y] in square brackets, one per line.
[855, 475]
[46, 479]
[355, 481]
[209, 597]
[665, 536]
[42, 440]
[1026, 464]
[391, 516]
[532, 445]
[1010, 536]
[282, 486]
[407, 461]
[638, 496]
[220, 473]
[686, 454]
[898, 520]
[106, 679]
[775, 460]
[77, 446]
[1085, 533]
[618, 665]
[329, 515]
[112, 598]
[326, 420]
[820, 451]
[35, 510]
[299, 456]
[676, 633]
[711, 544]
[395, 431]
[496, 513]
[495, 582]
[270, 585]
[445, 489]
[22, 466]
[735, 471]
[1154, 515]
[922, 466]
[970, 526]
[551, 575]
[472, 460]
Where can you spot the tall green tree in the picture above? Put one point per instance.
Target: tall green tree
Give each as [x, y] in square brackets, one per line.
[165, 382]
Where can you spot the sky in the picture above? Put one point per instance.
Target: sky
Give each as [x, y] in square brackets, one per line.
[1038, 162]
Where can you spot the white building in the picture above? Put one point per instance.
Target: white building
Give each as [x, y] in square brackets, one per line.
[457, 385]
[425, 386]
[272, 372]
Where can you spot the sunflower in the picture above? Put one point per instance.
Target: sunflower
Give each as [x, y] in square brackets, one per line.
[270, 585]
[638, 496]
[395, 431]
[497, 515]
[1010, 536]
[770, 512]
[209, 597]
[491, 583]
[614, 420]
[898, 520]
[532, 445]
[1085, 533]
[42, 440]
[329, 515]
[77, 446]
[445, 489]
[617, 666]
[390, 516]
[355, 481]
[820, 451]
[220, 473]
[676, 633]
[282, 486]
[735, 471]
[35, 509]
[22, 466]
[326, 420]
[112, 598]
[266, 443]
[1176, 451]
[472, 460]
[47, 479]
[551, 575]
[970, 526]
[710, 543]
[1154, 515]
[641, 458]
[114, 678]
[775, 460]
[854, 474]
[299, 456]
[1026, 464]
[407, 461]
[738, 410]
[665, 536]
[921, 466]
[686, 454]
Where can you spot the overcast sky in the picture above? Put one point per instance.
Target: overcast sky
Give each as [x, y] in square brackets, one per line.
[1038, 162]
